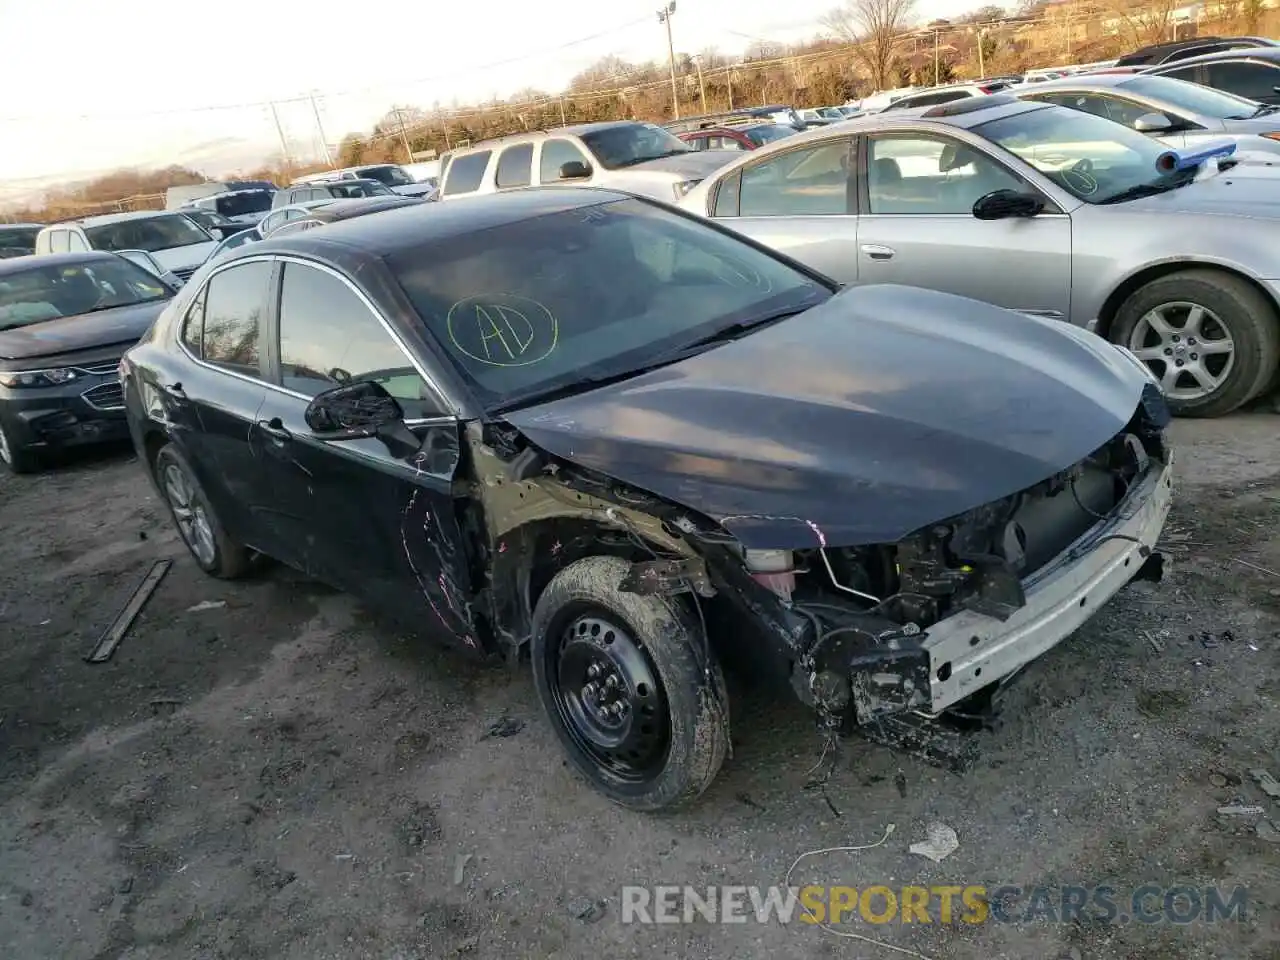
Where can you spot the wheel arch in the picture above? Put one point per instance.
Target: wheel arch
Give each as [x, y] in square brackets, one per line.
[1155, 271]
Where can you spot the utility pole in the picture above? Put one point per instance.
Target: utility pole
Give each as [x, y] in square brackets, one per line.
[563, 121]
[702, 87]
[982, 60]
[728, 74]
[404, 137]
[324, 143]
[664, 16]
[936, 72]
[284, 144]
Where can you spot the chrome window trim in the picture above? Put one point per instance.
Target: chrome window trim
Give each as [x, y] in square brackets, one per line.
[274, 258]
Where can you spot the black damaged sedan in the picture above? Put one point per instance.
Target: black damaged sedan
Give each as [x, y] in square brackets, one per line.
[590, 427]
[65, 321]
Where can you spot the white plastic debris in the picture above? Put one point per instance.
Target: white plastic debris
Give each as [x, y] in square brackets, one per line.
[207, 605]
[1240, 810]
[941, 842]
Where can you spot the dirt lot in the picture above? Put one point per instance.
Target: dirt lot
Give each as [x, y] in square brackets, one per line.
[283, 777]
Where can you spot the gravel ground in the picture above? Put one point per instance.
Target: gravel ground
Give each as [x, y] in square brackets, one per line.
[281, 776]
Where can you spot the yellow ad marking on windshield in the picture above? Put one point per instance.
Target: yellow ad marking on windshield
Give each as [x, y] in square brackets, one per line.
[502, 330]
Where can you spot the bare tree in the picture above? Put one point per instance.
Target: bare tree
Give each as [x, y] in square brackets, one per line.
[1145, 23]
[875, 27]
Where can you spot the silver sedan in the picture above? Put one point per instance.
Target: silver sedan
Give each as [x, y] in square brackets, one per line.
[1042, 209]
[1179, 114]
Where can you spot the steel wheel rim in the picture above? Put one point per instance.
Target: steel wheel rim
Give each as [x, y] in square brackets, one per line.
[189, 514]
[609, 698]
[1187, 346]
[5, 453]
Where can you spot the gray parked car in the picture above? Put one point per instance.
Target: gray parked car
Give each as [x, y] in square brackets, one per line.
[1179, 114]
[1042, 209]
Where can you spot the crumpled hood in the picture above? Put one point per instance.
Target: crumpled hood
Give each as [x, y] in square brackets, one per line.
[1249, 189]
[882, 410]
[68, 334]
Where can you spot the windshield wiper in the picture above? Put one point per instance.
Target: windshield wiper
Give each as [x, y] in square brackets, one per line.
[657, 156]
[1140, 190]
[1263, 110]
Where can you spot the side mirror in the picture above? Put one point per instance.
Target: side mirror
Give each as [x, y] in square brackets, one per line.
[574, 170]
[1007, 204]
[1152, 123]
[354, 411]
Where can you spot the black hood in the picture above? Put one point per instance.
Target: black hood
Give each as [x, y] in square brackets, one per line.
[880, 411]
[84, 332]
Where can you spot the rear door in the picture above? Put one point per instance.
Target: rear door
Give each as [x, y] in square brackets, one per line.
[379, 524]
[917, 227]
[801, 202]
[214, 402]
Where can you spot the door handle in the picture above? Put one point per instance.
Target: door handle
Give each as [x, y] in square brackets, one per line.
[878, 251]
[275, 429]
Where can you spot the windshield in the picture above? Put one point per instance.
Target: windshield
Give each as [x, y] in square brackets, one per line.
[357, 188]
[767, 134]
[44, 292]
[1192, 97]
[391, 175]
[208, 218]
[545, 304]
[1093, 158]
[149, 234]
[633, 143]
[245, 204]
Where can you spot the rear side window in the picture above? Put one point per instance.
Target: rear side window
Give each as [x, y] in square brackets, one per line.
[234, 306]
[466, 173]
[727, 197]
[59, 241]
[193, 326]
[515, 166]
[1245, 79]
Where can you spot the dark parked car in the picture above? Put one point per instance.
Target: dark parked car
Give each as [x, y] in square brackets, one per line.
[65, 319]
[18, 239]
[1176, 50]
[338, 210]
[1253, 74]
[329, 189]
[589, 426]
[737, 136]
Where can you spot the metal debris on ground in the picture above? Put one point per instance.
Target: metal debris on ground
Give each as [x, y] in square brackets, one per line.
[460, 866]
[504, 727]
[1267, 783]
[1156, 644]
[112, 636]
[941, 842]
[1254, 566]
[1241, 810]
[588, 911]
[207, 605]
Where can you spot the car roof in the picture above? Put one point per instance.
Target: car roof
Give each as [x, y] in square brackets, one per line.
[1080, 80]
[576, 130]
[414, 225]
[104, 219]
[359, 206]
[1236, 53]
[19, 264]
[964, 114]
[20, 226]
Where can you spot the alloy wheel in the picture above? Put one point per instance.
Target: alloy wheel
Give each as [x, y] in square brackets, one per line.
[1187, 346]
[610, 699]
[6, 454]
[190, 513]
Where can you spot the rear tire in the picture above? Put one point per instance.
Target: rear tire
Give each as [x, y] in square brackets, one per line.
[643, 656]
[1226, 307]
[212, 548]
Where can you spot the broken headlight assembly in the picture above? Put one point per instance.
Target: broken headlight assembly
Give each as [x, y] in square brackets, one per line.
[21, 379]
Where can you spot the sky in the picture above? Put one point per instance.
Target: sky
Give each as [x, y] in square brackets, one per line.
[153, 82]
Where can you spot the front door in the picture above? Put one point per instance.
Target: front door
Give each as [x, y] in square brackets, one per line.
[917, 227]
[378, 522]
[799, 202]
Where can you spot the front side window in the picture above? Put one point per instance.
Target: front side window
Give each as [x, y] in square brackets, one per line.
[75, 243]
[515, 166]
[1191, 97]
[466, 173]
[632, 143]
[1244, 78]
[1094, 159]
[1100, 105]
[540, 305]
[328, 337]
[235, 304]
[931, 176]
[149, 234]
[59, 241]
[555, 154]
[810, 182]
[43, 292]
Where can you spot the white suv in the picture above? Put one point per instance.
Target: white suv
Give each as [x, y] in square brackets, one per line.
[639, 158]
[176, 242]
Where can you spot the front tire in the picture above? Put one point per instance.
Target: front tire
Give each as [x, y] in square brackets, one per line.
[1211, 338]
[201, 530]
[14, 457]
[620, 676]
